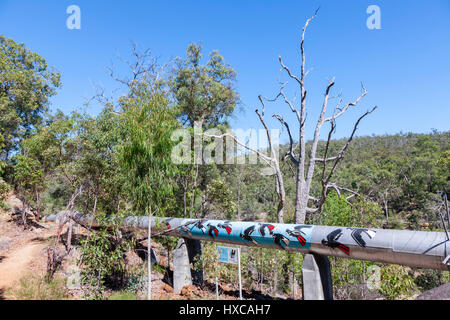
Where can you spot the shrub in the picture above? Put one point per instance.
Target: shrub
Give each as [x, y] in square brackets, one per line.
[396, 282]
[4, 190]
[430, 279]
[101, 261]
[137, 281]
[208, 261]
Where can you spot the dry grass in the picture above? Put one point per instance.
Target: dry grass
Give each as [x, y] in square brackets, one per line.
[32, 287]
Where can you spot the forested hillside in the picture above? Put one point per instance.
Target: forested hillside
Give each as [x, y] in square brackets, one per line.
[402, 175]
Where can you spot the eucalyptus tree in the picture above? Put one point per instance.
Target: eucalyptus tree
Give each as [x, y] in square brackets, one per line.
[26, 83]
[148, 121]
[98, 162]
[55, 146]
[28, 177]
[205, 96]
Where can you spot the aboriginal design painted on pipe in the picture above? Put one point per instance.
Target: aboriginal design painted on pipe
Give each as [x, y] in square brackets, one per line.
[332, 239]
[257, 233]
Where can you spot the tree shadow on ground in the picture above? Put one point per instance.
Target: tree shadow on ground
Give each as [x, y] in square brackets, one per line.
[246, 294]
[168, 276]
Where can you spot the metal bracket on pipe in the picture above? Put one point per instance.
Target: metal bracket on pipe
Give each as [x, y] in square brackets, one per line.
[446, 261]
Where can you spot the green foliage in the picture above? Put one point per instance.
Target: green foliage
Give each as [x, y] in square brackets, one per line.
[395, 223]
[148, 124]
[338, 212]
[3, 164]
[430, 279]
[205, 97]
[159, 269]
[396, 282]
[402, 172]
[29, 178]
[136, 281]
[4, 191]
[268, 269]
[102, 255]
[221, 200]
[208, 261]
[253, 193]
[26, 83]
[28, 173]
[204, 93]
[33, 287]
[349, 277]
[100, 139]
[444, 161]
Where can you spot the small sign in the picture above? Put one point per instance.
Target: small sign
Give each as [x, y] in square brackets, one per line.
[228, 255]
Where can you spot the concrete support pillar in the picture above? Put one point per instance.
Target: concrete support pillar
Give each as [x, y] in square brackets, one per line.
[316, 273]
[183, 256]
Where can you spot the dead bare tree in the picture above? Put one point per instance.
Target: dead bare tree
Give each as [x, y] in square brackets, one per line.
[304, 164]
[271, 160]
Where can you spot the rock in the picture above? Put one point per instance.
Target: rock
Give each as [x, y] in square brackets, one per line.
[167, 288]
[187, 291]
[199, 291]
[225, 287]
[132, 259]
[439, 293]
[13, 202]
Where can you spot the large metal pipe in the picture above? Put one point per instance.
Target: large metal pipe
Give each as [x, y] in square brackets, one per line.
[409, 248]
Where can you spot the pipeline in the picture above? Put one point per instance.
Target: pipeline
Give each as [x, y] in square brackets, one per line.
[430, 250]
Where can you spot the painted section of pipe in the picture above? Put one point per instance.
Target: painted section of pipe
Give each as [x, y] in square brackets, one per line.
[403, 247]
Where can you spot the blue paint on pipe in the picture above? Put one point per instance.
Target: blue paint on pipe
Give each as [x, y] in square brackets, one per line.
[284, 235]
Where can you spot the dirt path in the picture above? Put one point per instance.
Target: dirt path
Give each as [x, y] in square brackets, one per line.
[21, 252]
[16, 265]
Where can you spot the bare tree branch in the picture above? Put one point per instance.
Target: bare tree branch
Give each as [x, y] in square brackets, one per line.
[291, 141]
[300, 82]
[315, 141]
[326, 181]
[344, 148]
[350, 104]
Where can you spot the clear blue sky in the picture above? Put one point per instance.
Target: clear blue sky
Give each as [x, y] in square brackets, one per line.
[405, 65]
